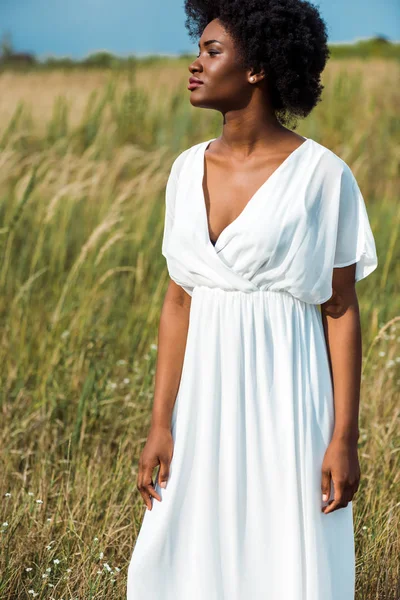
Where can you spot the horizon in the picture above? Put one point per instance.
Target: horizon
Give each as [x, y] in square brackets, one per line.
[80, 28]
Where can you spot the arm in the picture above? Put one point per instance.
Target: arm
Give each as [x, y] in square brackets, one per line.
[342, 328]
[172, 336]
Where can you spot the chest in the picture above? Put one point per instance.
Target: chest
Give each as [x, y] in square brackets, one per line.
[227, 188]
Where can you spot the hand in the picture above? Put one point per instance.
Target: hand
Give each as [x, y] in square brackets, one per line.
[341, 465]
[157, 451]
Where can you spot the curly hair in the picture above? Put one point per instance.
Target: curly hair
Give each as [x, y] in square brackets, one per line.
[287, 38]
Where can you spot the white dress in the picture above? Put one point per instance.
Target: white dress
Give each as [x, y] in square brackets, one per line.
[240, 518]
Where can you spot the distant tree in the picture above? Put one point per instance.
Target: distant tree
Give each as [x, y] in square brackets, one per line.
[6, 45]
[101, 59]
[381, 39]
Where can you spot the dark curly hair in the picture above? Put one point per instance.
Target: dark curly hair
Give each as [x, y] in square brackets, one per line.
[287, 38]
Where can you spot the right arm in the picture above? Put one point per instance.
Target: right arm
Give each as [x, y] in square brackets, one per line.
[172, 336]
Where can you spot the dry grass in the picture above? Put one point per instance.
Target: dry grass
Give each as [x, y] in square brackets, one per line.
[82, 280]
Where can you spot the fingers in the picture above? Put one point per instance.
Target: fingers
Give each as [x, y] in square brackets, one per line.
[342, 497]
[145, 485]
[325, 484]
[163, 474]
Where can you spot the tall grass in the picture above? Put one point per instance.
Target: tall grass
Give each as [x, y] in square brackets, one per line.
[84, 161]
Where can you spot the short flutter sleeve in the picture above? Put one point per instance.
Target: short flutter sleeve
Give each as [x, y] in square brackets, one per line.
[354, 240]
[170, 199]
[170, 194]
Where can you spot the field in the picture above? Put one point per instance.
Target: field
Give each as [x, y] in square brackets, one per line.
[84, 159]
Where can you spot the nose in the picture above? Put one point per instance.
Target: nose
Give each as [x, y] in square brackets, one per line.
[194, 67]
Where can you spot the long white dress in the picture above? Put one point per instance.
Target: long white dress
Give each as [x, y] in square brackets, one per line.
[240, 518]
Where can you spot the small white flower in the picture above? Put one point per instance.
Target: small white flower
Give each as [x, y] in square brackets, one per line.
[117, 569]
[5, 524]
[48, 569]
[45, 575]
[126, 380]
[101, 555]
[99, 572]
[51, 585]
[365, 527]
[33, 593]
[56, 561]
[153, 346]
[7, 495]
[69, 570]
[107, 566]
[96, 539]
[39, 501]
[28, 569]
[381, 353]
[30, 494]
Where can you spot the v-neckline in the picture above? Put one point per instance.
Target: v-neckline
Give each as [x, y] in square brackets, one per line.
[247, 205]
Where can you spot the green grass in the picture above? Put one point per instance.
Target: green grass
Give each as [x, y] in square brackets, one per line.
[82, 280]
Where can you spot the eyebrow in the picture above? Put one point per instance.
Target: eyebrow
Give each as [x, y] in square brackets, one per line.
[208, 42]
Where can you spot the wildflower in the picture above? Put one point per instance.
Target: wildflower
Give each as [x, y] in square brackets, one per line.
[56, 561]
[39, 501]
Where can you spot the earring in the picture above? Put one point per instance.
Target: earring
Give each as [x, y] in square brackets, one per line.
[252, 78]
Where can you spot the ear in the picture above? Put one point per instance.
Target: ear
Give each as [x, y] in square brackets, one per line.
[256, 75]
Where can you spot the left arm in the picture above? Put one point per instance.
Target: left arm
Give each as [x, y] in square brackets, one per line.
[342, 328]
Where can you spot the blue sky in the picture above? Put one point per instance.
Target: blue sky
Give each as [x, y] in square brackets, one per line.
[77, 27]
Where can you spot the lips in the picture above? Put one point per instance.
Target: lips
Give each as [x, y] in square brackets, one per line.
[194, 83]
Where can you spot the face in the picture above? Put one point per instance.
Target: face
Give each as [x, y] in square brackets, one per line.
[226, 84]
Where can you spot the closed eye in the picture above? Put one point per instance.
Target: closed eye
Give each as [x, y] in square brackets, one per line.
[210, 52]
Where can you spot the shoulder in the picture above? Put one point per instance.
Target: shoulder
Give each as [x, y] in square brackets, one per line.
[180, 160]
[331, 165]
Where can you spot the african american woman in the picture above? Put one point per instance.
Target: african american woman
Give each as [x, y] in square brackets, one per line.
[254, 426]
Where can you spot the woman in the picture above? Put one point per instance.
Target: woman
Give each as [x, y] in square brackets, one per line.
[266, 233]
